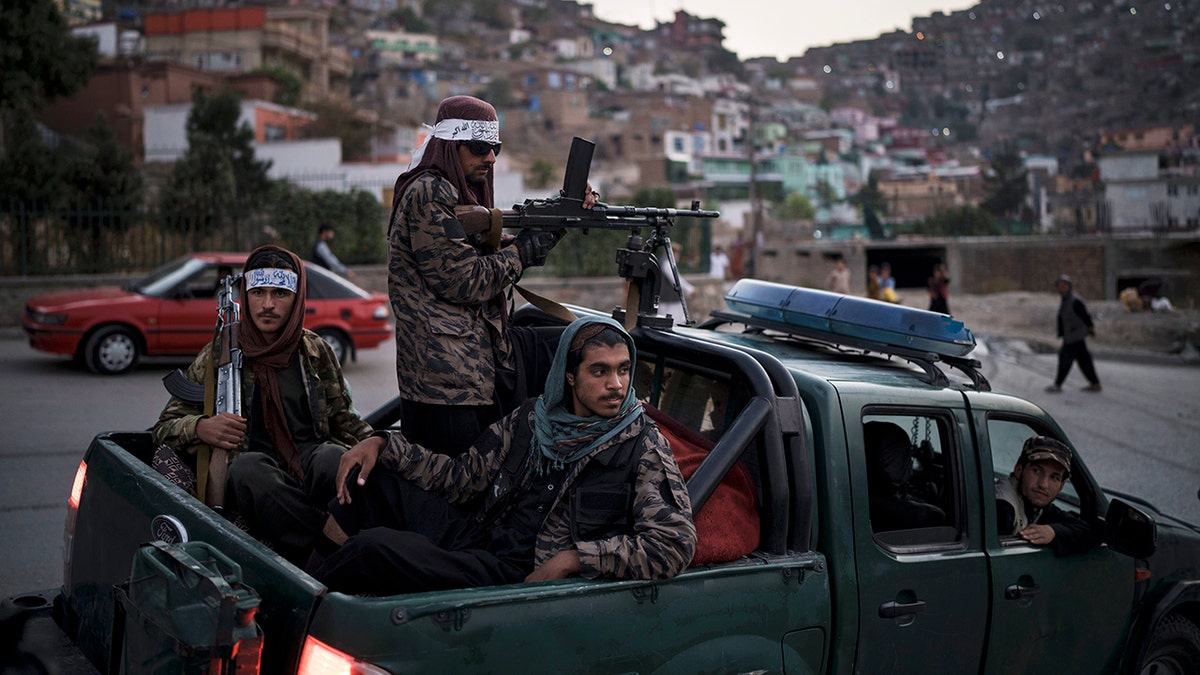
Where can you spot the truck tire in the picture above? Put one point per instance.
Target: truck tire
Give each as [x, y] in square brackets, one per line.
[1174, 648]
[112, 350]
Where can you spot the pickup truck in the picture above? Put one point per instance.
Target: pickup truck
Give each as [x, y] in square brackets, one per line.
[784, 395]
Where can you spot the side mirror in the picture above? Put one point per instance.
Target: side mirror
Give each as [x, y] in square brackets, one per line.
[1130, 531]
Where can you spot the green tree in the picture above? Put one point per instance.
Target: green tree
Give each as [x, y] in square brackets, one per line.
[218, 179]
[290, 84]
[201, 189]
[795, 206]
[29, 174]
[103, 190]
[541, 172]
[335, 120]
[217, 117]
[499, 92]
[39, 58]
[870, 196]
[39, 61]
[296, 214]
[964, 221]
[1007, 185]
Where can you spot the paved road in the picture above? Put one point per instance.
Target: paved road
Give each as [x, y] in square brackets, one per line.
[1139, 435]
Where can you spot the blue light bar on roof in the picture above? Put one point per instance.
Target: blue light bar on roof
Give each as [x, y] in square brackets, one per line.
[835, 314]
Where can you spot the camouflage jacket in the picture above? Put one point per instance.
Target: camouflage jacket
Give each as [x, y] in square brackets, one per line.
[447, 298]
[333, 413]
[663, 539]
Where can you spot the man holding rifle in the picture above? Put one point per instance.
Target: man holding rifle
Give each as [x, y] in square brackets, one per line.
[297, 418]
[447, 287]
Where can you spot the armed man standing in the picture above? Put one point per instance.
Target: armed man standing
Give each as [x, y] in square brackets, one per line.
[298, 421]
[447, 288]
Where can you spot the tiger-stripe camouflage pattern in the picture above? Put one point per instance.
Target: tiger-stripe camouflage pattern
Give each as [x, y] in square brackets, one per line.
[447, 298]
[333, 413]
[664, 536]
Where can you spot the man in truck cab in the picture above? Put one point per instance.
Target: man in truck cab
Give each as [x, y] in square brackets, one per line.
[297, 420]
[1024, 499]
[576, 482]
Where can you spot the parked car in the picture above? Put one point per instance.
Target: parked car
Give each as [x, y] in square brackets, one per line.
[172, 311]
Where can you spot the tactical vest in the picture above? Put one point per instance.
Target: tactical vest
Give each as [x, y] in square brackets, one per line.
[601, 497]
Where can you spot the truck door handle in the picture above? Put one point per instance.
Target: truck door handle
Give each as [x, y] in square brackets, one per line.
[891, 610]
[1019, 592]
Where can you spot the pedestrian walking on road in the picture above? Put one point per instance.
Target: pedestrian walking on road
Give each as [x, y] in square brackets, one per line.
[939, 289]
[1074, 326]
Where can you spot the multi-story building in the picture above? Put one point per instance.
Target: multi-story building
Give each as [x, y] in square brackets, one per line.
[121, 90]
[79, 12]
[245, 39]
[920, 195]
[1140, 196]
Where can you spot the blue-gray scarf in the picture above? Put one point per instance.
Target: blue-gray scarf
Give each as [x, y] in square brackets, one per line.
[561, 437]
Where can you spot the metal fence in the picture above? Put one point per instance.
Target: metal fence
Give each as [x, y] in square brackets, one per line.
[40, 241]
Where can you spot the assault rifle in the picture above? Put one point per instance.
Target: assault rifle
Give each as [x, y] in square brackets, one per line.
[225, 376]
[637, 262]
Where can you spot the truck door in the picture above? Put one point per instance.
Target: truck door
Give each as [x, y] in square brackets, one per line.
[1047, 608]
[922, 574]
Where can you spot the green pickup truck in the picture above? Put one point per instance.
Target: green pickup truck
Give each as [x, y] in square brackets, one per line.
[783, 397]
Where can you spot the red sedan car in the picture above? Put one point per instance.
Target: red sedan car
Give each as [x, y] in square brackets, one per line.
[172, 312]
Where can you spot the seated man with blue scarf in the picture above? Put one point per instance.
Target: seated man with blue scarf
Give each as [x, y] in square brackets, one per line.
[577, 482]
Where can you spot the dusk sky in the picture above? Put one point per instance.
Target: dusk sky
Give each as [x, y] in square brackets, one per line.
[783, 28]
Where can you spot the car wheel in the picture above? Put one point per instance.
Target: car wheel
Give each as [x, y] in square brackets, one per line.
[1174, 648]
[338, 342]
[112, 350]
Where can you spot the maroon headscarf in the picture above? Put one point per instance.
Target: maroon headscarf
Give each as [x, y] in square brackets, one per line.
[441, 156]
[266, 357]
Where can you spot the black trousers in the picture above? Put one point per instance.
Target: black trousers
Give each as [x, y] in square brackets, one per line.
[1068, 354]
[406, 540]
[284, 510]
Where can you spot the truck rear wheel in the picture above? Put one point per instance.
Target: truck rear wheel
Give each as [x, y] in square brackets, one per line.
[1174, 648]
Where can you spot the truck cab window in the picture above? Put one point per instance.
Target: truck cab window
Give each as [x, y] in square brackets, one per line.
[911, 480]
[1006, 438]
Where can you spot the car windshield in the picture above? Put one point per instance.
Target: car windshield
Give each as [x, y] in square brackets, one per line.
[163, 280]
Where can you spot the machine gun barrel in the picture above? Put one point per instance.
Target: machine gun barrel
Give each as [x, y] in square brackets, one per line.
[638, 261]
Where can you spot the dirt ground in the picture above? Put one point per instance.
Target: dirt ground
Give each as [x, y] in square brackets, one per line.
[1031, 316]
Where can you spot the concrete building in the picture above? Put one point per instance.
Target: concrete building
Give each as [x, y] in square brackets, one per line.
[166, 126]
[120, 90]
[244, 39]
[1139, 196]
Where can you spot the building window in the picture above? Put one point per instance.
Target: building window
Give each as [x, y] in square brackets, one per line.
[1172, 190]
[274, 132]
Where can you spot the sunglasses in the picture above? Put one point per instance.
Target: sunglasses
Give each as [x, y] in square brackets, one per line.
[481, 148]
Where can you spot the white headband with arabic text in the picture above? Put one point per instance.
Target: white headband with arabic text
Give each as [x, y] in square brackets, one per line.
[458, 130]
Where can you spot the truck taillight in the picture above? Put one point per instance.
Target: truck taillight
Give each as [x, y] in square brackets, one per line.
[72, 512]
[320, 658]
[77, 486]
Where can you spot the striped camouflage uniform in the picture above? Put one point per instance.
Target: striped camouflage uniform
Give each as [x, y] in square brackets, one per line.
[333, 413]
[664, 536]
[447, 298]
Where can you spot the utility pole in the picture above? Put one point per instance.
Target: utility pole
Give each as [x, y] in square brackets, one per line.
[752, 191]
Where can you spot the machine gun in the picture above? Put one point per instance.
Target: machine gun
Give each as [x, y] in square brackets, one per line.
[637, 262]
[225, 395]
